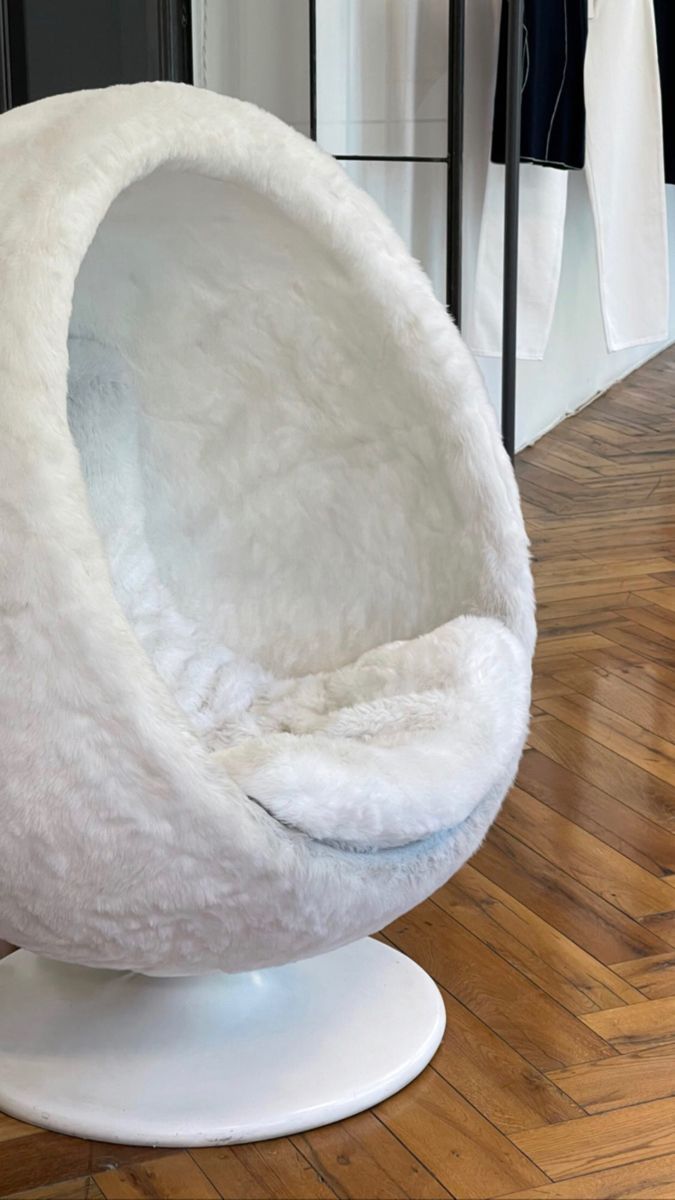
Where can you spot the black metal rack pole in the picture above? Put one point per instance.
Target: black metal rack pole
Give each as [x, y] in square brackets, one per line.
[455, 153]
[312, 69]
[511, 202]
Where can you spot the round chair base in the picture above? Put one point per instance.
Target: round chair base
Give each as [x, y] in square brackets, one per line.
[212, 1059]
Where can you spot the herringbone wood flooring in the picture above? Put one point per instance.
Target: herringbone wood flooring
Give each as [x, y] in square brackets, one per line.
[555, 947]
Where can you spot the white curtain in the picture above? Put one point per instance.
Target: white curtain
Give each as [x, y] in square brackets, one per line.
[255, 50]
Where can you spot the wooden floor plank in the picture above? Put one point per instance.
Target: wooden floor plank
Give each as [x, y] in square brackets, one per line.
[654, 977]
[610, 1139]
[619, 1082]
[607, 818]
[466, 1153]
[494, 1078]
[610, 656]
[649, 752]
[605, 584]
[361, 1158]
[71, 1189]
[650, 617]
[623, 697]
[576, 911]
[650, 1179]
[42, 1158]
[608, 771]
[587, 859]
[574, 643]
[10, 1129]
[663, 925]
[648, 644]
[174, 1177]
[654, 678]
[552, 961]
[636, 1026]
[267, 1169]
[663, 597]
[528, 1019]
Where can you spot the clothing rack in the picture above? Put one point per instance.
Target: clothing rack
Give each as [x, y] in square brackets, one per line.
[514, 88]
[453, 162]
[452, 158]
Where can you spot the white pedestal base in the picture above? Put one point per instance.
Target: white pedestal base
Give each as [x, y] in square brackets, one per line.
[212, 1059]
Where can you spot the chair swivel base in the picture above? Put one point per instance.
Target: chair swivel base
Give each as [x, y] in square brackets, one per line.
[212, 1059]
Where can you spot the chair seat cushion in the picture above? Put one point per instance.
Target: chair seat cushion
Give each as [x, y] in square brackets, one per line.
[396, 746]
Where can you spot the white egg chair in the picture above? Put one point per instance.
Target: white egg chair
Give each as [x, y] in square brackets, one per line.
[266, 623]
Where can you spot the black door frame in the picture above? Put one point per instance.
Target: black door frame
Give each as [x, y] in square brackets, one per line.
[5, 60]
[170, 21]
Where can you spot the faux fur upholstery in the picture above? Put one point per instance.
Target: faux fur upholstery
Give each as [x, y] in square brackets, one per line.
[266, 613]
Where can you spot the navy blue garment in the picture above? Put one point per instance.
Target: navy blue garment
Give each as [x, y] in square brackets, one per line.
[553, 128]
[664, 11]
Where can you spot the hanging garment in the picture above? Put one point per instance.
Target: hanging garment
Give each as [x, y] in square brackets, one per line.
[665, 39]
[553, 113]
[625, 176]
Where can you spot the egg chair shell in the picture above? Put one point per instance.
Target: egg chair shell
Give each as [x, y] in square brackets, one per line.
[266, 613]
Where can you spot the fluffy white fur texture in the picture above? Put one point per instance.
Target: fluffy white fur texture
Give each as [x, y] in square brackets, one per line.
[266, 613]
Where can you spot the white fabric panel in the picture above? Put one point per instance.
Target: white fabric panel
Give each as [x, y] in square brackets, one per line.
[625, 172]
[543, 199]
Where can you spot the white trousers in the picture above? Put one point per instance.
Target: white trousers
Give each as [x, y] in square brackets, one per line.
[625, 175]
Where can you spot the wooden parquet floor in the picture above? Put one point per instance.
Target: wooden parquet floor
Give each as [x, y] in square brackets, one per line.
[555, 946]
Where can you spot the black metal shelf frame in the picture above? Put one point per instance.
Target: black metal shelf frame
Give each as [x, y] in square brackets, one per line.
[453, 162]
[452, 159]
[514, 87]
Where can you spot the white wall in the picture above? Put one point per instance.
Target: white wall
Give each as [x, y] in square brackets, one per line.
[382, 83]
[577, 365]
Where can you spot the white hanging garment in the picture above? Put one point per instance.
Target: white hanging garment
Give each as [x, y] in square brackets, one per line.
[625, 175]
